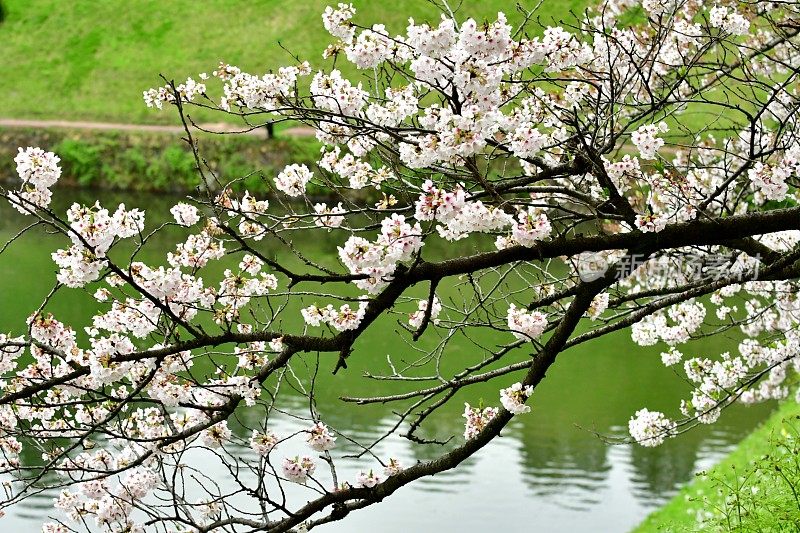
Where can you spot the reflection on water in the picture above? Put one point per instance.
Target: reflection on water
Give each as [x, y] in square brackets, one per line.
[500, 487]
[548, 471]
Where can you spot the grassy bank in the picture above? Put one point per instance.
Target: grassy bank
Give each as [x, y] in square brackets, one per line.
[84, 60]
[157, 162]
[755, 488]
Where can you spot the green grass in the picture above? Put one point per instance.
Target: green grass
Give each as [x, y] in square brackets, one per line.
[89, 60]
[755, 488]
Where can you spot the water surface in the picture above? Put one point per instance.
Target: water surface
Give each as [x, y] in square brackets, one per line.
[548, 472]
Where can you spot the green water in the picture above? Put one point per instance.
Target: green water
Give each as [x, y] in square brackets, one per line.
[548, 472]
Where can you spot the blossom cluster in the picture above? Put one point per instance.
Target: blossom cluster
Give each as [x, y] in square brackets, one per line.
[771, 179]
[513, 398]
[357, 172]
[329, 217]
[378, 260]
[38, 171]
[367, 479]
[298, 469]
[728, 20]
[524, 325]
[647, 141]
[111, 506]
[343, 319]
[686, 317]
[416, 318]
[293, 179]
[263, 442]
[532, 226]
[185, 214]
[320, 438]
[476, 419]
[186, 91]
[650, 428]
[265, 93]
[93, 231]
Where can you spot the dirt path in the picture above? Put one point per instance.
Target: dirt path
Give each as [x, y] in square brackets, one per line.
[219, 127]
[297, 131]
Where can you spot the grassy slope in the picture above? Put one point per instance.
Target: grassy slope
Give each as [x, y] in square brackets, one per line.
[91, 60]
[774, 503]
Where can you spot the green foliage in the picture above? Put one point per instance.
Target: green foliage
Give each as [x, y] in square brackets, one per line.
[763, 497]
[81, 160]
[161, 163]
[174, 169]
[755, 489]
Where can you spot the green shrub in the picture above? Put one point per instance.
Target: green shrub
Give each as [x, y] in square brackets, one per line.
[133, 164]
[179, 169]
[764, 495]
[81, 160]
[161, 163]
[755, 488]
